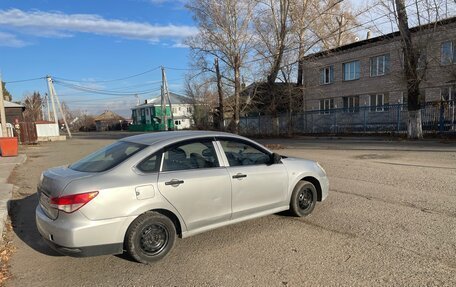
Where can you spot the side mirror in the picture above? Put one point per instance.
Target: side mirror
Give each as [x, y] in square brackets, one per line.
[275, 158]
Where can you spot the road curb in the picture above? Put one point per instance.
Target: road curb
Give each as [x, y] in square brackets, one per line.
[7, 165]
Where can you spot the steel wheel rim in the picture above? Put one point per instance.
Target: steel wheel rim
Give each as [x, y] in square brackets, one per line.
[153, 238]
[305, 198]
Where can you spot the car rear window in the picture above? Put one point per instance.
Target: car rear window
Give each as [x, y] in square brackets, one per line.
[107, 157]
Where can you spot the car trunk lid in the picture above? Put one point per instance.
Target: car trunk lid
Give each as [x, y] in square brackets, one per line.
[53, 183]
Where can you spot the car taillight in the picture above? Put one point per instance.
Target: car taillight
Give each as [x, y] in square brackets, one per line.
[71, 203]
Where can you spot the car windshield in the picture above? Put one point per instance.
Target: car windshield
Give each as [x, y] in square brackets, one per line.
[107, 157]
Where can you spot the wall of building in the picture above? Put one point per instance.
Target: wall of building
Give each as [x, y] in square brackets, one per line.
[182, 115]
[47, 130]
[12, 114]
[393, 84]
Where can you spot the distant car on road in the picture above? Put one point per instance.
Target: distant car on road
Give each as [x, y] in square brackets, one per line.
[139, 193]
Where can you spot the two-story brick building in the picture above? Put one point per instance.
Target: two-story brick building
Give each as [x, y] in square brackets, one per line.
[369, 73]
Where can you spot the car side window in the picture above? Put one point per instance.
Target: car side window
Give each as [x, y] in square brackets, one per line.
[192, 155]
[240, 153]
[150, 164]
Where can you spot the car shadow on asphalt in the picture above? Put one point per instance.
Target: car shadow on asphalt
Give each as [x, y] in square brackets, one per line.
[22, 214]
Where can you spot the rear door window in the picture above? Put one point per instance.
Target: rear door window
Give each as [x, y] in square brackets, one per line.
[107, 157]
[190, 155]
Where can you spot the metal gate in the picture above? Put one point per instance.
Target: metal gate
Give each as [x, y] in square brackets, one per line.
[27, 133]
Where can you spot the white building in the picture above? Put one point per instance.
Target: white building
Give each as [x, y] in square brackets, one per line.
[148, 115]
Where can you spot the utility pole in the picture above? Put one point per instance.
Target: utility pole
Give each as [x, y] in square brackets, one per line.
[48, 108]
[220, 94]
[54, 96]
[2, 110]
[164, 120]
[165, 99]
[54, 114]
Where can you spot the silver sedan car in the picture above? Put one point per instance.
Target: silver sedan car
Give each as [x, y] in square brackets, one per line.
[140, 193]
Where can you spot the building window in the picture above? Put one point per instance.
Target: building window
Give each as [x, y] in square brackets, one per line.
[379, 65]
[378, 102]
[327, 75]
[142, 112]
[351, 104]
[177, 123]
[447, 55]
[351, 71]
[147, 112]
[189, 109]
[326, 105]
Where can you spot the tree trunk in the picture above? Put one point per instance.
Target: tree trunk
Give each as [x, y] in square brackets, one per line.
[237, 93]
[290, 113]
[414, 127]
[220, 94]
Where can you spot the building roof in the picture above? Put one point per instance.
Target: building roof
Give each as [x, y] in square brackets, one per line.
[108, 116]
[380, 38]
[13, 105]
[175, 99]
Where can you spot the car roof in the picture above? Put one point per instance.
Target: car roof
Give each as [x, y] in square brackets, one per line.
[168, 137]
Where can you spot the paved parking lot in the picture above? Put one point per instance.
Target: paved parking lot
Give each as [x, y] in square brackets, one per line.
[390, 219]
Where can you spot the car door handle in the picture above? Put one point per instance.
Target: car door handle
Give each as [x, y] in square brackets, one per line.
[239, 175]
[174, 182]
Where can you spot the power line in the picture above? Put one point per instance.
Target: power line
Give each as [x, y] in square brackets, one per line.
[178, 69]
[113, 80]
[26, 80]
[102, 92]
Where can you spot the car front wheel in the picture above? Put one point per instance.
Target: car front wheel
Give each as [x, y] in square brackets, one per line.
[303, 199]
[150, 237]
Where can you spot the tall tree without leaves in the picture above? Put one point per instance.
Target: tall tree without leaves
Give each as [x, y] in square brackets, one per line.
[33, 107]
[224, 33]
[412, 77]
[272, 25]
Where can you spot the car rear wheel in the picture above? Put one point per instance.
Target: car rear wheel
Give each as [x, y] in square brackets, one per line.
[150, 237]
[303, 199]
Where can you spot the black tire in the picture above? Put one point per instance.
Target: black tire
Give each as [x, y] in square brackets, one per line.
[303, 199]
[150, 237]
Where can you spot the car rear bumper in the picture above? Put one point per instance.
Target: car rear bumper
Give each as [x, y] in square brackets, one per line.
[75, 235]
[116, 248]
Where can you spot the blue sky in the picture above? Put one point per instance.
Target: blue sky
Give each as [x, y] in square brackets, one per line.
[93, 41]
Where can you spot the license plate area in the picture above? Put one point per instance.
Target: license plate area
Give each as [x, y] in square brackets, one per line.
[45, 204]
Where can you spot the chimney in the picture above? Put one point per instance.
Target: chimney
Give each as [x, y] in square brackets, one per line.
[368, 35]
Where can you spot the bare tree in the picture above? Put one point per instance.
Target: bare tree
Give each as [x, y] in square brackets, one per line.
[415, 130]
[6, 94]
[272, 27]
[203, 97]
[224, 32]
[33, 107]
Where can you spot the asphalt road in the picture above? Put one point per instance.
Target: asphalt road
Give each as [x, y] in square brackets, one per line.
[390, 219]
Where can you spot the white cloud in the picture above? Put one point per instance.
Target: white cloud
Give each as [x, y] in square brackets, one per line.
[56, 23]
[180, 45]
[10, 40]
